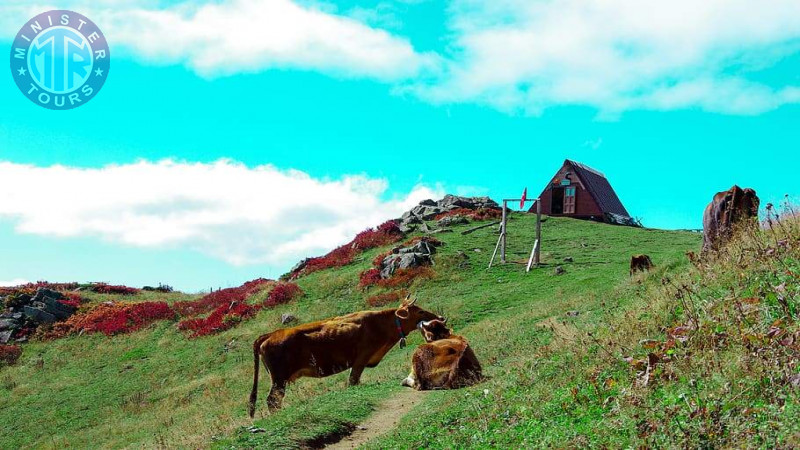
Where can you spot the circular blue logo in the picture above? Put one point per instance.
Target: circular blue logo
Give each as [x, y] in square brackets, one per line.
[60, 59]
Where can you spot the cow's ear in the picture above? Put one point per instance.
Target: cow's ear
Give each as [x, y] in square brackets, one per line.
[402, 312]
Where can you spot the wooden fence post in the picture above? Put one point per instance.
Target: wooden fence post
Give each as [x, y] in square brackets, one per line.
[503, 235]
[538, 231]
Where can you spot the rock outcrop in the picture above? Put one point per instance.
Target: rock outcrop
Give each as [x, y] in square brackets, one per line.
[429, 209]
[418, 254]
[25, 311]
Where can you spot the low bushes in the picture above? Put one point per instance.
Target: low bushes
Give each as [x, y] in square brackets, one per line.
[369, 277]
[232, 308]
[222, 318]
[387, 298]
[404, 277]
[221, 297]
[282, 293]
[9, 354]
[104, 288]
[116, 318]
[30, 288]
[386, 233]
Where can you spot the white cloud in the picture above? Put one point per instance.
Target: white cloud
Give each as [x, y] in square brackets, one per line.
[618, 55]
[238, 214]
[232, 36]
[14, 282]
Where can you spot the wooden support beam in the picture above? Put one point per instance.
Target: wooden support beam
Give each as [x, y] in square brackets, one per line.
[495, 251]
[466, 232]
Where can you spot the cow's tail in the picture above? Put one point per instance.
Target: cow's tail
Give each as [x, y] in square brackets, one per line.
[256, 354]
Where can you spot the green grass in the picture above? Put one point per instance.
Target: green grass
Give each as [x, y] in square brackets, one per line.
[547, 379]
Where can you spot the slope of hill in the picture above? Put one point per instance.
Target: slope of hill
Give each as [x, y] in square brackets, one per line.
[613, 371]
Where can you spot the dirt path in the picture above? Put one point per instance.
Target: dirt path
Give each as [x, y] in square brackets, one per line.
[383, 420]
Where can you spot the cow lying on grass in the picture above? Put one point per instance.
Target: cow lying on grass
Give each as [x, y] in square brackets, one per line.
[323, 348]
[445, 362]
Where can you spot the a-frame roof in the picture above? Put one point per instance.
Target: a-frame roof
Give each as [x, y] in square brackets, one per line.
[599, 187]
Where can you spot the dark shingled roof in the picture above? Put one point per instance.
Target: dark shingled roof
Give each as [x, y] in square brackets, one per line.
[601, 190]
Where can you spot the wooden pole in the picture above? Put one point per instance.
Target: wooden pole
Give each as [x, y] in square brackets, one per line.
[503, 235]
[538, 246]
[494, 253]
[533, 252]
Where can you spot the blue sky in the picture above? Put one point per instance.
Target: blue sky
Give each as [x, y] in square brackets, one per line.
[213, 156]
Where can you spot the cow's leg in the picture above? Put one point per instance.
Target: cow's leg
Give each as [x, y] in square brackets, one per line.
[409, 380]
[276, 394]
[355, 374]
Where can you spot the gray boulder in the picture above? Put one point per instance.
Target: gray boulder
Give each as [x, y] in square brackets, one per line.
[8, 323]
[392, 263]
[449, 221]
[38, 315]
[418, 254]
[287, 318]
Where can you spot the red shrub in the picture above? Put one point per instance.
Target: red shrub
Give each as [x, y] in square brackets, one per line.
[282, 293]
[116, 318]
[219, 298]
[30, 288]
[386, 233]
[222, 318]
[229, 306]
[369, 277]
[387, 298]
[404, 277]
[72, 299]
[104, 288]
[9, 354]
[475, 214]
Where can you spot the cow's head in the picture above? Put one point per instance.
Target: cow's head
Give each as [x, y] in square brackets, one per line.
[433, 330]
[410, 313]
[750, 203]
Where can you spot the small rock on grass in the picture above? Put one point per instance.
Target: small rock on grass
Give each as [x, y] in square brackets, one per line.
[287, 318]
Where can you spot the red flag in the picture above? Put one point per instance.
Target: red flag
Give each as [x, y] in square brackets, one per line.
[524, 197]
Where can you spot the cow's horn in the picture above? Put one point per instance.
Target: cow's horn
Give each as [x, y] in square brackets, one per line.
[414, 300]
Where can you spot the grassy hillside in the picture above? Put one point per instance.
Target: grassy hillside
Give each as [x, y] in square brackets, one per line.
[552, 378]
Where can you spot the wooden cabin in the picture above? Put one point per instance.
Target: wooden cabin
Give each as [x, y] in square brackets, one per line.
[579, 191]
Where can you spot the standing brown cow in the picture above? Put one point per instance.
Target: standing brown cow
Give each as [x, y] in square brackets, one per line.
[726, 210]
[445, 362]
[323, 348]
[640, 263]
